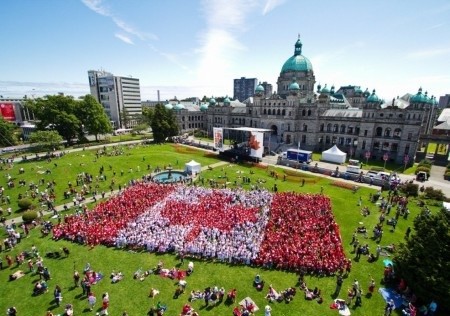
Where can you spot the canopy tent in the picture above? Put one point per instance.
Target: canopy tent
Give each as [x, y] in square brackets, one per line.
[192, 167]
[334, 155]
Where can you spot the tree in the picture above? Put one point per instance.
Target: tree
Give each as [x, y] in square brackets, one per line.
[57, 112]
[164, 124]
[46, 140]
[424, 261]
[148, 114]
[138, 129]
[92, 116]
[7, 130]
[125, 118]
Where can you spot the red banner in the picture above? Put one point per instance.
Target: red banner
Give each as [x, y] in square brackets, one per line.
[7, 111]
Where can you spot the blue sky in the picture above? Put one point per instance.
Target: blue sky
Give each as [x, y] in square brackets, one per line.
[196, 48]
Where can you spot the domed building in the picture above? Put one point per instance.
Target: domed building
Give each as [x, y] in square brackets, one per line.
[316, 118]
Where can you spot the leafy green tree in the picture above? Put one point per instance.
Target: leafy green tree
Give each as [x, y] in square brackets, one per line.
[164, 124]
[125, 118]
[46, 140]
[7, 133]
[147, 115]
[92, 116]
[57, 112]
[424, 261]
[138, 129]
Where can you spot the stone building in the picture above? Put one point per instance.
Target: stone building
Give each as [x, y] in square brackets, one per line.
[301, 114]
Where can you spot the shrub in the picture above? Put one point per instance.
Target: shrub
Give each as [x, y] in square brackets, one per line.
[434, 194]
[423, 168]
[29, 216]
[377, 169]
[425, 162]
[25, 204]
[410, 189]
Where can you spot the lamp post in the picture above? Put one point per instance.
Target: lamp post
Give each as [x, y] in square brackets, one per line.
[405, 160]
[367, 155]
[385, 158]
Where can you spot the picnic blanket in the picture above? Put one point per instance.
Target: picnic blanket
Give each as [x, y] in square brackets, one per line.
[342, 308]
[246, 301]
[391, 294]
[16, 275]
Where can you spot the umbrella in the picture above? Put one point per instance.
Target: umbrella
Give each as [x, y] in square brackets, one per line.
[388, 262]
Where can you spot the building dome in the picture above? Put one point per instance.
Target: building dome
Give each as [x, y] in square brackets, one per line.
[212, 101]
[419, 97]
[168, 106]
[178, 106]
[325, 90]
[259, 88]
[294, 86]
[373, 97]
[358, 90]
[226, 101]
[298, 62]
[203, 107]
[366, 93]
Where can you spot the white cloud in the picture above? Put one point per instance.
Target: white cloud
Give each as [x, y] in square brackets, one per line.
[98, 7]
[271, 5]
[428, 53]
[17, 89]
[124, 38]
[173, 58]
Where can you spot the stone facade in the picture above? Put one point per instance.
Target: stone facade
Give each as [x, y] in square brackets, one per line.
[357, 122]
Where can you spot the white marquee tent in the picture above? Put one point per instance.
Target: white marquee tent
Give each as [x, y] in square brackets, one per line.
[192, 167]
[334, 155]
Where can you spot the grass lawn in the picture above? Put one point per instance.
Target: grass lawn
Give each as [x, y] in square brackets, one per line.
[132, 295]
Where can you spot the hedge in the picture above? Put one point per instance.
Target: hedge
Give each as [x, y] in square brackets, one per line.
[25, 204]
[29, 216]
[423, 168]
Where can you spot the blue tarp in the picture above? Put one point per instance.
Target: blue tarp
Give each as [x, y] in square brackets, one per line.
[390, 294]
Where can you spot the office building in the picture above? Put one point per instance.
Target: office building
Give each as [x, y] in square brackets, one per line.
[244, 88]
[119, 96]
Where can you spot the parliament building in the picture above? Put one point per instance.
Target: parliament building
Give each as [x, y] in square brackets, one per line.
[314, 117]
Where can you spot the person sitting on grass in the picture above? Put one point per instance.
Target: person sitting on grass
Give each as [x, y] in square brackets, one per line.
[258, 282]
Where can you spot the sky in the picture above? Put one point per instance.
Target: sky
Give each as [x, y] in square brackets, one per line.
[188, 48]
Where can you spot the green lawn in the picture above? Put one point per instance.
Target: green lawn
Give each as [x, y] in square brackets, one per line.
[131, 295]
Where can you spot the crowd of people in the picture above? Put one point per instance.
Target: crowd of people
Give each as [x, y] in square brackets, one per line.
[101, 225]
[302, 233]
[287, 230]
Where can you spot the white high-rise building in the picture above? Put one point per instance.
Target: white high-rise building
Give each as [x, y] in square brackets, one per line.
[119, 96]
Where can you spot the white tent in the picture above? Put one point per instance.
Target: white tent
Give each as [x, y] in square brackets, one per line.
[192, 167]
[334, 155]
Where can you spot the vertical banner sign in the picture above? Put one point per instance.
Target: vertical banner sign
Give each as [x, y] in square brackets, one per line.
[218, 138]
[256, 144]
[7, 111]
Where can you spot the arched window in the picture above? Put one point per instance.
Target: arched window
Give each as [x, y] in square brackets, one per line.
[387, 132]
[335, 128]
[309, 111]
[379, 131]
[327, 140]
[278, 112]
[342, 128]
[305, 127]
[397, 133]
[303, 112]
[322, 127]
[283, 112]
[264, 111]
[329, 127]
